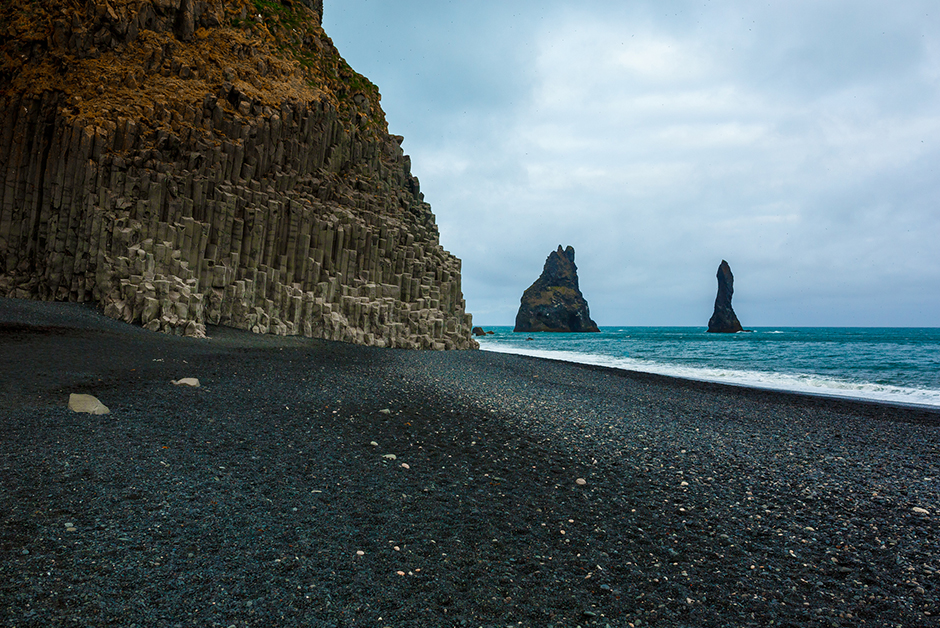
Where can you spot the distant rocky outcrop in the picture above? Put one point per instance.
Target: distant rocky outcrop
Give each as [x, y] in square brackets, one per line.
[723, 320]
[185, 163]
[554, 302]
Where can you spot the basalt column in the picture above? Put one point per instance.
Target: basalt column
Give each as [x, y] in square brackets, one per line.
[185, 163]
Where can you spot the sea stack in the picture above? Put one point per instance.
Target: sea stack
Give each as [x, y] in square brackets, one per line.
[554, 302]
[723, 320]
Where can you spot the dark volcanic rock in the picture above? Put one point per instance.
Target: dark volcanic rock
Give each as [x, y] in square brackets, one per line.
[191, 163]
[724, 320]
[554, 302]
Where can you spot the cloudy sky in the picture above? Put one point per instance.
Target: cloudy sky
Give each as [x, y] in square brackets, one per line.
[800, 141]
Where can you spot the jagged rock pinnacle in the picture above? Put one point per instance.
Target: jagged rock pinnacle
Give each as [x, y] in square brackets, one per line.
[554, 302]
[723, 320]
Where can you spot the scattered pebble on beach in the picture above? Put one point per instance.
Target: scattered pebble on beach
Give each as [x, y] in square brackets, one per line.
[88, 404]
[837, 522]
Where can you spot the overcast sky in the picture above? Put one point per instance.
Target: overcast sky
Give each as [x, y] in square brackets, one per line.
[800, 141]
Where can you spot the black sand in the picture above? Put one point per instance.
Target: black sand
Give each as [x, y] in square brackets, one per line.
[245, 502]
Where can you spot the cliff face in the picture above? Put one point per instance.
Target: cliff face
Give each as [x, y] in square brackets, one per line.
[723, 319]
[193, 162]
[554, 302]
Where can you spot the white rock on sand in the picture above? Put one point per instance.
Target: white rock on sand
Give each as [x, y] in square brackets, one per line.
[187, 381]
[87, 403]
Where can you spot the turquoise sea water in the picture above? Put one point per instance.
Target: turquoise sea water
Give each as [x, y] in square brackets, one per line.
[899, 365]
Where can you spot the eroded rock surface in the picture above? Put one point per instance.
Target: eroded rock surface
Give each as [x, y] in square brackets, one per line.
[554, 302]
[192, 162]
[723, 319]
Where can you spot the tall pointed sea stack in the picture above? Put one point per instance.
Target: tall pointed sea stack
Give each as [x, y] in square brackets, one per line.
[184, 163]
[723, 320]
[554, 302]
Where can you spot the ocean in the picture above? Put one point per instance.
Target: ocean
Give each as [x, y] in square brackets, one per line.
[896, 365]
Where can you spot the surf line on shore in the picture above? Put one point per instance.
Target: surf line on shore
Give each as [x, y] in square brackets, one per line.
[883, 365]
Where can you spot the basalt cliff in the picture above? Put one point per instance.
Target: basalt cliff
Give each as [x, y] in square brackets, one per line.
[191, 162]
[554, 302]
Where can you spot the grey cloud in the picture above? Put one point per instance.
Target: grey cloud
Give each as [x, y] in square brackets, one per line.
[799, 141]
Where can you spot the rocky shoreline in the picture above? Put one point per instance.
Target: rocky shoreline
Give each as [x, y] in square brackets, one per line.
[521, 492]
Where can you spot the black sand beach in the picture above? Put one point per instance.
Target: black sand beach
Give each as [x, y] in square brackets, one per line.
[259, 499]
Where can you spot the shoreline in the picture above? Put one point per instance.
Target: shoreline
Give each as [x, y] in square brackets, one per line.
[247, 501]
[678, 379]
[790, 381]
[25, 312]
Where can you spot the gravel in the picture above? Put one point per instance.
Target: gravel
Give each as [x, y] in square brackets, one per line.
[311, 483]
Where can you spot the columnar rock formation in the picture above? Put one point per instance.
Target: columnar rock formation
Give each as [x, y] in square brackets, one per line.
[554, 302]
[192, 162]
[723, 319]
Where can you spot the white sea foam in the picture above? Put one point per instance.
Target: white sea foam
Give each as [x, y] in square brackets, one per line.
[792, 382]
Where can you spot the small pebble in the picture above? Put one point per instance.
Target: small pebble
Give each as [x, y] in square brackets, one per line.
[404, 465]
[580, 481]
[385, 411]
[920, 511]
[390, 456]
[360, 553]
[374, 444]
